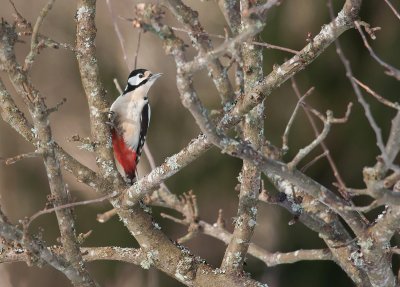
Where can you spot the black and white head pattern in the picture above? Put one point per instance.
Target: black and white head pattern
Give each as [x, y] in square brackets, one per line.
[136, 79]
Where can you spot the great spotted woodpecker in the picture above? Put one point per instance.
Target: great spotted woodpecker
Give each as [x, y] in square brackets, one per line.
[129, 120]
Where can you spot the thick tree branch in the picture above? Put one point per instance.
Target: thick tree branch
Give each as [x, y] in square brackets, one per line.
[37, 249]
[11, 114]
[270, 259]
[327, 35]
[319, 218]
[44, 144]
[310, 212]
[252, 129]
[190, 100]
[169, 200]
[202, 42]
[90, 254]
[306, 56]
[360, 248]
[374, 256]
[94, 90]
[163, 253]
[231, 11]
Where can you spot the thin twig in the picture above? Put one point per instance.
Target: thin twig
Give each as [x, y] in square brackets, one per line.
[200, 62]
[201, 42]
[117, 86]
[391, 179]
[27, 29]
[360, 98]
[262, 44]
[189, 209]
[345, 244]
[35, 45]
[336, 173]
[274, 47]
[393, 9]
[220, 219]
[149, 156]
[341, 120]
[364, 104]
[306, 150]
[285, 146]
[137, 49]
[357, 191]
[39, 22]
[346, 116]
[193, 231]
[391, 71]
[36, 247]
[314, 160]
[270, 259]
[106, 216]
[118, 32]
[14, 159]
[173, 218]
[381, 99]
[69, 205]
[15, 9]
[374, 204]
[313, 111]
[285, 71]
[56, 107]
[262, 9]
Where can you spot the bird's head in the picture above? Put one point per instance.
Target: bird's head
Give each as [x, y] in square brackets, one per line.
[141, 79]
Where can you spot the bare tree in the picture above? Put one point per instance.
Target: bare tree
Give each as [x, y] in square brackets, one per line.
[359, 245]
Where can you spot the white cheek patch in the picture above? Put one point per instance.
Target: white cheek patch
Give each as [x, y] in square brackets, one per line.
[134, 81]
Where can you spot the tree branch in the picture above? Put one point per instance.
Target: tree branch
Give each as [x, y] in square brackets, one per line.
[44, 145]
[202, 42]
[252, 129]
[285, 136]
[391, 71]
[35, 45]
[327, 35]
[94, 90]
[38, 249]
[306, 56]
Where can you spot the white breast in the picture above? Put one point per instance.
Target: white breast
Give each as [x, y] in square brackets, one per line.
[128, 109]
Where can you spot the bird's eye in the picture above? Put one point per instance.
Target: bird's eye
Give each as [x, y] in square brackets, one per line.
[140, 75]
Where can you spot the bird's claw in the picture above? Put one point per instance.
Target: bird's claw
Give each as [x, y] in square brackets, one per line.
[111, 119]
[110, 124]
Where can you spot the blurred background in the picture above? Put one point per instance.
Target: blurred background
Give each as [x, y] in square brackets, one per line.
[23, 186]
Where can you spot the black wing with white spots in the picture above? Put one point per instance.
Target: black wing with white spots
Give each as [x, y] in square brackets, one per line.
[144, 125]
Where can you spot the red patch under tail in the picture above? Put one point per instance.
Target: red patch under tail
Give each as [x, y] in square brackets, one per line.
[125, 156]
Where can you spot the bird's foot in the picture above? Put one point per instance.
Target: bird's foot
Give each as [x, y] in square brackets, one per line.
[111, 119]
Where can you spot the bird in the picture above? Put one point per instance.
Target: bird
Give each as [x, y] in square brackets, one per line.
[129, 118]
